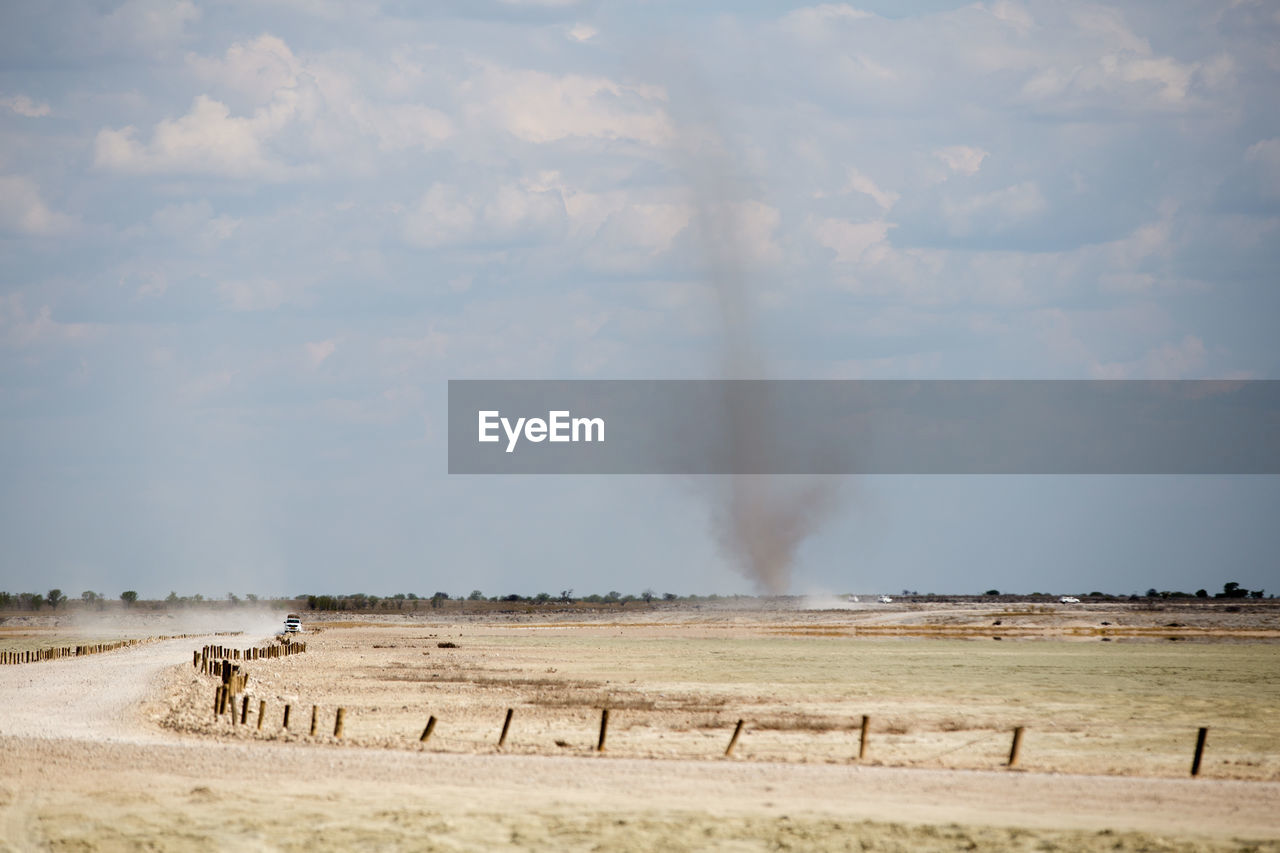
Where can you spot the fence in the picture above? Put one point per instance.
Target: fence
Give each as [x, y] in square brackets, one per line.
[59, 652]
[225, 704]
[210, 659]
[234, 679]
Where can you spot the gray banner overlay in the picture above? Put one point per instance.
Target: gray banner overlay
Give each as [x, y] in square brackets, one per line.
[864, 427]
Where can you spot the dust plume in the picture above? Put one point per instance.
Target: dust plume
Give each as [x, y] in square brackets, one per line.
[760, 521]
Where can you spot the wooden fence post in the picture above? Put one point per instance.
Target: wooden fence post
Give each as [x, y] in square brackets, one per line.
[426, 733]
[1195, 762]
[244, 710]
[733, 741]
[337, 722]
[314, 710]
[506, 724]
[862, 739]
[604, 728]
[285, 725]
[262, 712]
[1016, 747]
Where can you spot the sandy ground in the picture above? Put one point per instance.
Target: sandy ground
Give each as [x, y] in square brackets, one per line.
[121, 751]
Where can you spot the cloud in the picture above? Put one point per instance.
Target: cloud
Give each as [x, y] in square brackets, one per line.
[962, 159]
[208, 140]
[1102, 62]
[19, 329]
[994, 211]
[540, 107]
[259, 67]
[194, 222]
[318, 351]
[205, 385]
[1265, 154]
[859, 182]
[1182, 360]
[583, 32]
[818, 21]
[1013, 14]
[507, 214]
[149, 23]
[24, 106]
[305, 114]
[634, 234]
[851, 241]
[23, 210]
[260, 294]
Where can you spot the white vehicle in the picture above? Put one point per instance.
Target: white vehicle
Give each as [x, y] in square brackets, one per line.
[1069, 599]
[292, 624]
[884, 599]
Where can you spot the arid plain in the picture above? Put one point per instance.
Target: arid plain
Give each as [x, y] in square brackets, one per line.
[123, 750]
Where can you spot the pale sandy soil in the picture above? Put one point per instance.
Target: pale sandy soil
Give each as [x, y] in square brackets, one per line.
[122, 752]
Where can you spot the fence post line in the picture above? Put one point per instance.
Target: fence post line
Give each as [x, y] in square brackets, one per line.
[506, 724]
[733, 741]
[1195, 762]
[604, 728]
[1016, 747]
[862, 738]
[426, 733]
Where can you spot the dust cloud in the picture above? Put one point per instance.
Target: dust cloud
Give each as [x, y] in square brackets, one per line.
[759, 521]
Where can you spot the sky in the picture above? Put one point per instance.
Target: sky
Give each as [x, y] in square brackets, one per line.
[245, 245]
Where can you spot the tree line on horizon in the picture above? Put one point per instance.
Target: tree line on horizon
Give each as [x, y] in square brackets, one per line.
[54, 599]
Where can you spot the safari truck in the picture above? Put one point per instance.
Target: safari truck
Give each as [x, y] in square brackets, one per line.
[292, 624]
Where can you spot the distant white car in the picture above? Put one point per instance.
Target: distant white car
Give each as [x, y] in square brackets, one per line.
[1069, 599]
[292, 624]
[884, 599]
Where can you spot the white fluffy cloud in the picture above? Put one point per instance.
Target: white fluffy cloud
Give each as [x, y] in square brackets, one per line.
[208, 139]
[303, 113]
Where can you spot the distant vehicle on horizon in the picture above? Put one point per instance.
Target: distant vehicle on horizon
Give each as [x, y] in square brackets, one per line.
[292, 624]
[1069, 599]
[884, 599]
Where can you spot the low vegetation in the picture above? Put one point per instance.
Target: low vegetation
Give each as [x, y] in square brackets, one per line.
[477, 602]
